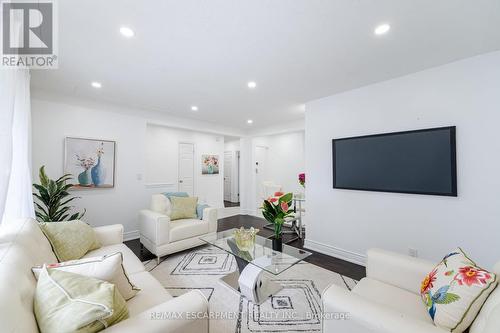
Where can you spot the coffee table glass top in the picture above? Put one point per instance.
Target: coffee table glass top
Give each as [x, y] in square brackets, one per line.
[262, 254]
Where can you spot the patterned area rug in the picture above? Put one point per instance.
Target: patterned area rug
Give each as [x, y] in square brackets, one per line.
[295, 308]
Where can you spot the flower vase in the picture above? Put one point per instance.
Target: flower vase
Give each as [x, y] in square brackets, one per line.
[98, 173]
[277, 243]
[210, 169]
[84, 178]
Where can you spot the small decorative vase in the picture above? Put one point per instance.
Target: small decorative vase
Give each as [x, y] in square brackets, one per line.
[98, 173]
[84, 178]
[210, 169]
[277, 244]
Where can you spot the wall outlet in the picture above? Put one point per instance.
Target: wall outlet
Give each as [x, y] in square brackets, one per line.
[412, 252]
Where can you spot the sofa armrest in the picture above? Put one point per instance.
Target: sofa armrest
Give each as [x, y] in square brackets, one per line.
[154, 226]
[109, 234]
[399, 270]
[210, 215]
[187, 314]
[365, 316]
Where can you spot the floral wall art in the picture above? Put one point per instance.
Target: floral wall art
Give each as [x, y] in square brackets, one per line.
[209, 164]
[91, 162]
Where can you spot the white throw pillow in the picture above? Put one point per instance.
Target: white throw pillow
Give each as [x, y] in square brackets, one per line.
[455, 291]
[108, 268]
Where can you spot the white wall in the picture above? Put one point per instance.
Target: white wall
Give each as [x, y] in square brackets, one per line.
[53, 121]
[347, 223]
[162, 149]
[232, 145]
[285, 158]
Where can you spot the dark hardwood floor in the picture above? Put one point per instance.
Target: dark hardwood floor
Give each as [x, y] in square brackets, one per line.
[331, 263]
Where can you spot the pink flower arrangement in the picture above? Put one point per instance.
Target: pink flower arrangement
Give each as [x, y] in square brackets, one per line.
[302, 179]
[276, 208]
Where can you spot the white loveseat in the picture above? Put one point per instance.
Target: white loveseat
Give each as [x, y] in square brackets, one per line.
[23, 245]
[388, 300]
[161, 236]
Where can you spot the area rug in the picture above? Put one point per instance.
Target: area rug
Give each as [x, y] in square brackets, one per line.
[296, 308]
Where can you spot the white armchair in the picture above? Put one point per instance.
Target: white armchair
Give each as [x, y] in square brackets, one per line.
[162, 236]
[388, 300]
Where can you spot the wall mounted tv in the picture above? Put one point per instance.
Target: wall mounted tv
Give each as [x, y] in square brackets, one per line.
[419, 162]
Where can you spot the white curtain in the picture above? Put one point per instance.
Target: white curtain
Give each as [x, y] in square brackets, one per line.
[16, 199]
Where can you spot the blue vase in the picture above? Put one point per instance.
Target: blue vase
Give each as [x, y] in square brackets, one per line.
[98, 173]
[84, 178]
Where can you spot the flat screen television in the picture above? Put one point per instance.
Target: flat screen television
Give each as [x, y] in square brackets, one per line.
[419, 162]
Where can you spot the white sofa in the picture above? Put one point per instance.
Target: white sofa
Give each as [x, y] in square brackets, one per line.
[162, 236]
[23, 245]
[388, 300]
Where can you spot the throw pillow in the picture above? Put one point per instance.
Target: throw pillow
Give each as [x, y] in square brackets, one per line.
[455, 290]
[199, 210]
[183, 208]
[68, 302]
[71, 239]
[108, 268]
[175, 194]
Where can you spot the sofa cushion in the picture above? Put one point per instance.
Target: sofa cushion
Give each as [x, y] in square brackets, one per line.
[22, 246]
[160, 204]
[490, 309]
[400, 300]
[131, 263]
[70, 240]
[68, 302]
[152, 293]
[455, 290]
[27, 233]
[108, 268]
[187, 228]
[183, 208]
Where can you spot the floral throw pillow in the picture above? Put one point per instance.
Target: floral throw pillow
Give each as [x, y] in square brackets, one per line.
[455, 291]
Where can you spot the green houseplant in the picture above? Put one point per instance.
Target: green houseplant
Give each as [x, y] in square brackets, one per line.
[52, 199]
[275, 209]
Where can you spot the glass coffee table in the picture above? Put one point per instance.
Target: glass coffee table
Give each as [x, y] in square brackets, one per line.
[255, 266]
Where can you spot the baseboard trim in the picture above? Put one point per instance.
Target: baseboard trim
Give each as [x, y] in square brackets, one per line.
[336, 252]
[247, 212]
[129, 235]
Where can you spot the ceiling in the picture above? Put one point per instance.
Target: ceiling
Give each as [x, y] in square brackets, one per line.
[203, 52]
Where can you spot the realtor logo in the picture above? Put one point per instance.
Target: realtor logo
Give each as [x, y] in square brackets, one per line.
[29, 34]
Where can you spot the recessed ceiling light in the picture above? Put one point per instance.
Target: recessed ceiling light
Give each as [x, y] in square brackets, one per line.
[249, 121]
[251, 85]
[96, 84]
[382, 29]
[127, 32]
[194, 108]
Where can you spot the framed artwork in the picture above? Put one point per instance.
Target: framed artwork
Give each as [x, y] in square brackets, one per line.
[209, 164]
[91, 162]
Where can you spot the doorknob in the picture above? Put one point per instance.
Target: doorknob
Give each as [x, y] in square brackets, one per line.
[180, 181]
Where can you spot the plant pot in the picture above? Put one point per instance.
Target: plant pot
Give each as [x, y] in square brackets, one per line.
[277, 244]
[84, 178]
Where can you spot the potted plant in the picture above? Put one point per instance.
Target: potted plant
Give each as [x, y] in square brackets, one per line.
[53, 199]
[275, 209]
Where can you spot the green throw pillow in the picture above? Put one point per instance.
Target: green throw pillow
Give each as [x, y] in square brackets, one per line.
[70, 240]
[183, 208]
[69, 302]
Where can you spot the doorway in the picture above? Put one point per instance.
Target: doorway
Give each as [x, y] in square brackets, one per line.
[231, 178]
[260, 172]
[186, 168]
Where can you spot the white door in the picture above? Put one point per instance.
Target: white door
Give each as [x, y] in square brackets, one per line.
[260, 172]
[228, 167]
[186, 168]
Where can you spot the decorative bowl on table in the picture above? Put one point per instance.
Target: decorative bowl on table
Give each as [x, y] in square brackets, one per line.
[245, 238]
